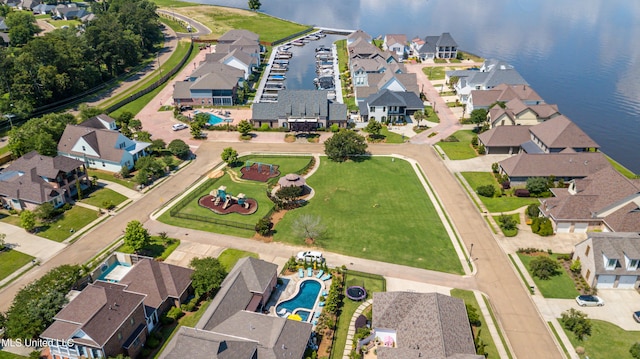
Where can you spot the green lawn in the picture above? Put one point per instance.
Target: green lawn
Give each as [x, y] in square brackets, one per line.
[341, 46]
[434, 73]
[459, 150]
[474, 58]
[189, 320]
[622, 169]
[495, 204]
[375, 209]
[607, 341]
[372, 284]
[252, 189]
[470, 299]
[433, 116]
[509, 233]
[173, 3]
[60, 23]
[7, 355]
[102, 195]
[74, 219]
[4, 149]
[12, 260]
[175, 25]
[559, 286]
[108, 176]
[158, 248]
[391, 137]
[230, 256]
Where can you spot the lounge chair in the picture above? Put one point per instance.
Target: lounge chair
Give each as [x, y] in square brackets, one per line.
[300, 273]
[320, 273]
[315, 322]
[309, 272]
[324, 293]
[326, 277]
[321, 304]
[282, 312]
[316, 315]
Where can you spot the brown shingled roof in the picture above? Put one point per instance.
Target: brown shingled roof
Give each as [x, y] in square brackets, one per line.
[157, 280]
[560, 132]
[571, 165]
[505, 136]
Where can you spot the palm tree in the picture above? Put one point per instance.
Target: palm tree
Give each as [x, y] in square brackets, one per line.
[419, 116]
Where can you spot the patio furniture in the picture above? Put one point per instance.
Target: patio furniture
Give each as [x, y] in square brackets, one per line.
[309, 272]
[326, 277]
[320, 273]
[324, 293]
[316, 315]
[321, 304]
[300, 273]
[282, 312]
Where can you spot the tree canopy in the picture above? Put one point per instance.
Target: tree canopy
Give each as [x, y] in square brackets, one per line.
[179, 148]
[208, 274]
[254, 5]
[136, 236]
[229, 155]
[40, 134]
[345, 145]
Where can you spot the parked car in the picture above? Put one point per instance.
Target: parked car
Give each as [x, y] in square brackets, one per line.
[589, 300]
[179, 126]
[310, 256]
[636, 316]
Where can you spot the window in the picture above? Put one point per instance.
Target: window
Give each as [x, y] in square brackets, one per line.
[103, 165]
[633, 264]
[83, 148]
[611, 263]
[372, 109]
[586, 252]
[132, 321]
[119, 335]
[588, 274]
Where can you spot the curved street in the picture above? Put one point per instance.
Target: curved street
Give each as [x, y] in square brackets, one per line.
[198, 28]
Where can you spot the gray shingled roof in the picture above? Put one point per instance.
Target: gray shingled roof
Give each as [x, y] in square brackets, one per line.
[233, 35]
[429, 324]
[46, 166]
[214, 81]
[446, 40]
[182, 90]
[393, 98]
[572, 165]
[95, 121]
[614, 246]
[190, 343]
[625, 219]
[560, 132]
[208, 67]
[159, 281]
[505, 136]
[300, 103]
[101, 140]
[359, 34]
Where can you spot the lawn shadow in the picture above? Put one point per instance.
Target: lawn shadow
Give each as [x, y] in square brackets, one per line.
[152, 250]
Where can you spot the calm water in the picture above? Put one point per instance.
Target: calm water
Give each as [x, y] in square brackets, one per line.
[302, 66]
[579, 54]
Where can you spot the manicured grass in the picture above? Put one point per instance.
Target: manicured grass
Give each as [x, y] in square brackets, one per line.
[222, 19]
[434, 73]
[495, 204]
[74, 219]
[175, 25]
[7, 355]
[375, 209]
[555, 334]
[622, 169]
[341, 47]
[459, 150]
[189, 320]
[60, 23]
[474, 58]
[173, 3]
[559, 286]
[511, 232]
[607, 341]
[100, 196]
[433, 116]
[108, 176]
[524, 279]
[374, 284]
[12, 260]
[230, 256]
[470, 299]
[391, 137]
[158, 248]
[4, 149]
[252, 189]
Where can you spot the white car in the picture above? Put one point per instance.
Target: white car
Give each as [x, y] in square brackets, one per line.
[179, 126]
[310, 256]
[589, 300]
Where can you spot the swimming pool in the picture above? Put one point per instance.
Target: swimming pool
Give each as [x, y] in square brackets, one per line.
[303, 302]
[114, 272]
[214, 120]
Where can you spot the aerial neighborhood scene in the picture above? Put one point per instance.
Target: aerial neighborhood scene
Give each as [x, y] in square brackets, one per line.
[319, 179]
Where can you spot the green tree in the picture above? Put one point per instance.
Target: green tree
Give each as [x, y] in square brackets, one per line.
[150, 165]
[478, 116]
[229, 156]
[345, 145]
[208, 274]
[45, 211]
[196, 130]
[419, 116]
[635, 350]
[41, 134]
[544, 267]
[537, 185]
[373, 128]
[576, 322]
[486, 190]
[179, 148]
[263, 227]
[27, 220]
[2, 246]
[308, 227]
[86, 112]
[289, 193]
[533, 210]
[507, 222]
[157, 146]
[474, 317]
[136, 236]
[244, 127]
[22, 26]
[254, 5]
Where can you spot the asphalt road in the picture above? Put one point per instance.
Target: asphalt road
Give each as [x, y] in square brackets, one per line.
[198, 28]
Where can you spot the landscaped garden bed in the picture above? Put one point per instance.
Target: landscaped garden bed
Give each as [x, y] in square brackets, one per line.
[498, 203]
[458, 146]
[607, 341]
[560, 283]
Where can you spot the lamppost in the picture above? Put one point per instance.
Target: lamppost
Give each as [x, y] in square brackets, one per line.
[470, 254]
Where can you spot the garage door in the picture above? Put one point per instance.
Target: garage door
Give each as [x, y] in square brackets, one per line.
[563, 227]
[627, 281]
[581, 227]
[605, 281]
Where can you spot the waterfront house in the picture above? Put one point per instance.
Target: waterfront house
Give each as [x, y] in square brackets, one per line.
[502, 93]
[435, 47]
[233, 327]
[389, 106]
[34, 179]
[604, 200]
[491, 74]
[610, 260]
[211, 83]
[98, 145]
[3, 24]
[504, 139]
[421, 325]
[300, 110]
[357, 35]
[396, 43]
[517, 113]
[565, 165]
[241, 40]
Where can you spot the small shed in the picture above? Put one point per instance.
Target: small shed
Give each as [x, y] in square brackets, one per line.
[292, 180]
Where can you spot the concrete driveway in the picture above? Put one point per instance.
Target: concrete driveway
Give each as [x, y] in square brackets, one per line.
[18, 239]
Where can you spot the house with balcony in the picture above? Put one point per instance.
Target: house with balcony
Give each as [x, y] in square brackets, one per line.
[502, 93]
[357, 35]
[491, 74]
[389, 106]
[610, 260]
[96, 143]
[397, 44]
[34, 179]
[435, 47]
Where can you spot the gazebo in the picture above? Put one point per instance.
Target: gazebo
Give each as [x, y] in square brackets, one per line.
[291, 180]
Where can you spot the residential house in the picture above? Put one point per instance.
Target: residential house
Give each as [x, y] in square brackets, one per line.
[565, 165]
[34, 179]
[356, 35]
[233, 327]
[504, 139]
[4, 39]
[12, 3]
[435, 47]
[391, 106]
[43, 9]
[300, 110]
[502, 93]
[517, 113]
[28, 4]
[491, 74]
[243, 40]
[69, 11]
[212, 83]
[3, 25]
[421, 325]
[610, 260]
[99, 146]
[104, 320]
[115, 317]
[396, 43]
[605, 200]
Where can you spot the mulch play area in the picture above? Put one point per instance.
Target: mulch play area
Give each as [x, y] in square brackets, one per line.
[259, 172]
[208, 200]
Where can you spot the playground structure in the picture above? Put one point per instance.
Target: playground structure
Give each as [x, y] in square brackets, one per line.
[258, 171]
[222, 202]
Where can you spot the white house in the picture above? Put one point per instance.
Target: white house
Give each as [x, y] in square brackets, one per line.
[396, 43]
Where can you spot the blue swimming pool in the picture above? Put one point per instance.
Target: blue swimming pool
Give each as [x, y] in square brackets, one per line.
[305, 299]
[214, 120]
[114, 272]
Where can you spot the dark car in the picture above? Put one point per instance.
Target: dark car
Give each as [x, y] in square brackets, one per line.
[636, 316]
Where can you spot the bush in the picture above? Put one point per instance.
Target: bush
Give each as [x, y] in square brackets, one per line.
[451, 138]
[108, 205]
[124, 172]
[542, 226]
[474, 317]
[474, 143]
[334, 128]
[263, 227]
[635, 350]
[521, 192]
[507, 222]
[533, 210]
[179, 149]
[175, 313]
[190, 306]
[577, 322]
[152, 343]
[486, 191]
[537, 185]
[165, 320]
[481, 150]
[494, 166]
[576, 266]
[544, 267]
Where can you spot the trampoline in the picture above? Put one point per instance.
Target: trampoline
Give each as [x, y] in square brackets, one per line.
[356, 293]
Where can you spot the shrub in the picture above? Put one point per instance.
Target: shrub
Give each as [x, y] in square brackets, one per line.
[165, 320]
[335, 128]
[544, 267]
[521, 192]
[576, 266]
[577, 322]
[481, 150]
[124, 172]
[564, 257]
[108, 204]
[486, 191]
[635, 350]
[545, 227]
[533, 210]
[474, 143]
[537, 185]
[494, 166]
[265, 127]
[263, 227]
[507, 222]
[175, 313]
[474, 317]
[190, 306]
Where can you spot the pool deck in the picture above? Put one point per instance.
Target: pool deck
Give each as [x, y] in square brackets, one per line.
[289, 291]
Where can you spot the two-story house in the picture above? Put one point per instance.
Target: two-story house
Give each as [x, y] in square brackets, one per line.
[502, 93]
[491, 74]
[396, 43]
[435, 47]
[391, 106]
[610, 260]
[34, 179]
[96, 143]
